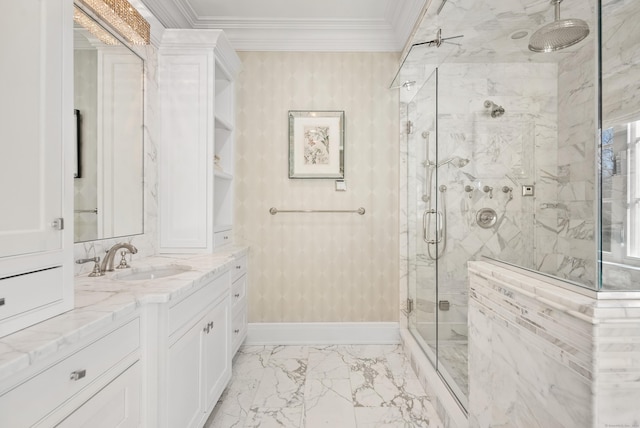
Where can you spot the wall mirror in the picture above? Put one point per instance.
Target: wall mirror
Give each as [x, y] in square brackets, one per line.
[108, 104]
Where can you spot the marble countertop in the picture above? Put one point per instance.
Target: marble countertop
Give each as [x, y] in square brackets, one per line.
[103, 300]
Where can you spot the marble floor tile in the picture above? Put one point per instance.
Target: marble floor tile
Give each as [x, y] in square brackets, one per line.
[327, 364]
[235, 404]
[282, 417]
[327, 402]
[341, 386]
[282, 384]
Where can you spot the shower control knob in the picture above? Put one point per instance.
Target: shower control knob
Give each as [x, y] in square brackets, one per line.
[489, 190]
[469, 190]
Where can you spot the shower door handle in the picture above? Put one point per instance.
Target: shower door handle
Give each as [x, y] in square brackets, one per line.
[426, 217]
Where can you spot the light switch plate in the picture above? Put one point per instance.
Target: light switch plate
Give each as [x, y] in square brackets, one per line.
[528, 189]
[341, 186]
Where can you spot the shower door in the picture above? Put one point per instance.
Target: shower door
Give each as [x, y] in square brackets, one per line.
[421, 136]
[437, 170]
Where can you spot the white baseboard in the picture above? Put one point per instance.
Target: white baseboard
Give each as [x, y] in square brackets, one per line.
[349, 333]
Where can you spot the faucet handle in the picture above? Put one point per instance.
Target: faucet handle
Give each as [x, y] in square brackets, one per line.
[123, 261]
[96, 267]
[509, 190]
[489, 190]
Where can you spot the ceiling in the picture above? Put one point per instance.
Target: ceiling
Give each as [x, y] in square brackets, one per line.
[297, 25]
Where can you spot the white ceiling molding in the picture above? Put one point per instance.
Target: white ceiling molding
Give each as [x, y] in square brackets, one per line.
[307, 35]
[387, 33]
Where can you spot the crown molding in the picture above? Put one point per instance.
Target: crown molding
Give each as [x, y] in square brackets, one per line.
[329, 35]
[306, 34]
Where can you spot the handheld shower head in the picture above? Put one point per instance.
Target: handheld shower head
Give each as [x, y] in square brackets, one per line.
[456, 161]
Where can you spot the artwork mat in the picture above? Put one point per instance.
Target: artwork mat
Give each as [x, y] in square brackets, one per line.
[299, 121]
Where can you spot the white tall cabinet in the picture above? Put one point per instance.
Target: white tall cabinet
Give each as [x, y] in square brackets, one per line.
[36, 218]
[197, 69]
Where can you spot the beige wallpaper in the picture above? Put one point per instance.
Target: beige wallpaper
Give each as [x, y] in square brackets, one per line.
[319, 267]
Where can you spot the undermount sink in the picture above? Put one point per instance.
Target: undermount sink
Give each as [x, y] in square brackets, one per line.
[152, 272]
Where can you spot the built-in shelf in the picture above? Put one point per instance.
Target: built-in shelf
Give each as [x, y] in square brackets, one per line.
[222, 123]
[223, 175]
[221, 227]
[191, 205]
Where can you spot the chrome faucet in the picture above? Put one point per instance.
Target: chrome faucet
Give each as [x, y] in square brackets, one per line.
[107, 262]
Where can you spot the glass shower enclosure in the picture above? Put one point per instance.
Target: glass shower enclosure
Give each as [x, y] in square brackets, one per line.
[504, 161]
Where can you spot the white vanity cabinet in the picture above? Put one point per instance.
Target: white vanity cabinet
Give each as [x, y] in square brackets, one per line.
[99, 381]
[239, 325]
[36, 219]
[194, 355]
[197, 69]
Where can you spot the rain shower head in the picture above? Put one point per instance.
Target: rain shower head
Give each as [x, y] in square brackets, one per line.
[559, 34]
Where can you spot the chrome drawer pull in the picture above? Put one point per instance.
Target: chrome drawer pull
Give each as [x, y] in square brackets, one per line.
[238, 267]
[236, 295]
[236, 331]
[78, 374]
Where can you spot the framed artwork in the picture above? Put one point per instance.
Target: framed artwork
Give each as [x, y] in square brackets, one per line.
[316, 144]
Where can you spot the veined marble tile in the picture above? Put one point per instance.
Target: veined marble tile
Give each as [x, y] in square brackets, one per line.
[328, 364]
[282, 384]
[280, 417]
[328, 402]
[234, 405]
[283, 352]
[250, 362]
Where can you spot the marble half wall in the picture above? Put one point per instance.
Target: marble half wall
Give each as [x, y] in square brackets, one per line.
[544, 356]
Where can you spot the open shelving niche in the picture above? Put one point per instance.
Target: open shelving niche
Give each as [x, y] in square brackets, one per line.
[224, 149]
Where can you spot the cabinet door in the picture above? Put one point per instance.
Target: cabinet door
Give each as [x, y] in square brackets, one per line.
[116, 405]
[217, 352]
[34, 113]
[184, 387]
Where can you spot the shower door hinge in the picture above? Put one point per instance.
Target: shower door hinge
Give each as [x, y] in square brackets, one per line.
[409, 127]
[58, 223]
[409, 306]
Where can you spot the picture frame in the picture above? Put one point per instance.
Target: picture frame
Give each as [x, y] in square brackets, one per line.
[77, 153]
[316, 144]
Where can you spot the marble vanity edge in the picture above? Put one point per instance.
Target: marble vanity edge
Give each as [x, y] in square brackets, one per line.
[103, 301]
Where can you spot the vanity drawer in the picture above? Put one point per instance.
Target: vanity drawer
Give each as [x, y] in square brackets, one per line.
[238, 293]
[239, 268]
[183, 311]
[222, 238]
[238, 329]
[22, 293]
[30, 401]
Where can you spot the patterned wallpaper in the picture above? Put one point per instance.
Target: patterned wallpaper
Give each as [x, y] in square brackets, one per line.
[319, 267]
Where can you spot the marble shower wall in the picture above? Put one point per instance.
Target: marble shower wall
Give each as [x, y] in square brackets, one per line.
[145, 243]
[511, 150]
